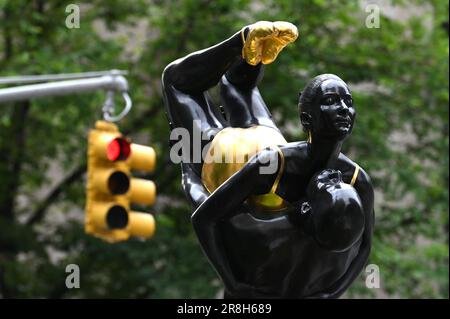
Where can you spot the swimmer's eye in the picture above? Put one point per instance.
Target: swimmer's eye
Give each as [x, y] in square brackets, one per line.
[329, 100]
[348, 101]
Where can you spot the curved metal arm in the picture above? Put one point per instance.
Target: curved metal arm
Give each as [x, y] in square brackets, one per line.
[108, 107]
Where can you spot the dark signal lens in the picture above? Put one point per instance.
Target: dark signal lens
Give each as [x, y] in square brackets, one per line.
[118, 183]
[118, 149]
[117, 217]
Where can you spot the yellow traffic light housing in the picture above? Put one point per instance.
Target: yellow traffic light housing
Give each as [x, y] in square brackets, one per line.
[111, 189]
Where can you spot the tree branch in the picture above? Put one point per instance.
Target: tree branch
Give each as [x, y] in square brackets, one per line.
[39, 213]
[8, 45]
[14, 157]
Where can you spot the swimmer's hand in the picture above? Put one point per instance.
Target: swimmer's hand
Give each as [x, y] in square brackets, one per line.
[265, 40]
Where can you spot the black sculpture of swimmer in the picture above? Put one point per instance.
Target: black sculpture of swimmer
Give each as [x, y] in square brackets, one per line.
[301, 231]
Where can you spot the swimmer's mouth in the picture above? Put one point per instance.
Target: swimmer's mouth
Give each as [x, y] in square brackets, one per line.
[343, 122]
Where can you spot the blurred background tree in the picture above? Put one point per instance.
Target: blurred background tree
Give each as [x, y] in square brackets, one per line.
[399, 76]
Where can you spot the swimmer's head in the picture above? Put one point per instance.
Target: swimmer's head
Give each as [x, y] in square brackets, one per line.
[326, 107]
[336, 219]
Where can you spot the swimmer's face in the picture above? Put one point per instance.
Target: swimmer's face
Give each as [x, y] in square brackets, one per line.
[333, 114]
[336, 211]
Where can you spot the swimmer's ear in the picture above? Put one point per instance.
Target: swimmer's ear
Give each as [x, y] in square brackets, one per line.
[305, 208]
[306, 120]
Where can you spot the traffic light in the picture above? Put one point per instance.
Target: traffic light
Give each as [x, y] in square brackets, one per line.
[111, 189]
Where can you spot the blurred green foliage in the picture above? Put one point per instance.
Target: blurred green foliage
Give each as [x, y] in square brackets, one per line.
[399, 75]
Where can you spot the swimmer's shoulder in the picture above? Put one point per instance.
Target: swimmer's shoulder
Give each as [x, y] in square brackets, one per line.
[352, 171]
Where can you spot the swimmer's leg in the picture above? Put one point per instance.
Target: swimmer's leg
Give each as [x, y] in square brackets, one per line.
[241, 99]
[196, 115]
[185, 83]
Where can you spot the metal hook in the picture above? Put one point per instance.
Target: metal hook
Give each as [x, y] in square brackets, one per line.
[108, 107]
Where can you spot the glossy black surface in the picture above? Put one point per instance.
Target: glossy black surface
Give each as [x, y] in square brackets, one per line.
[318, 245]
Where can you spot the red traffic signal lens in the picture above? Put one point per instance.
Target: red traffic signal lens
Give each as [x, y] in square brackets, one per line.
[118, 149]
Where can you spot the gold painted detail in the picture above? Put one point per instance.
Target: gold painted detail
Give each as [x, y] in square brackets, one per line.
[265, 41]
[280, 171]
[355, 175]
[231, 149]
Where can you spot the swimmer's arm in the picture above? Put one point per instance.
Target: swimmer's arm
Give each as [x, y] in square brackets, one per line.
[365, 191]
[201, 70]
[225, 202]
[193, 186]
[245, 76]
[239, 91]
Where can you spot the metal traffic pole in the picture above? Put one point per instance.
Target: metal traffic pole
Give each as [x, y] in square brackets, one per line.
[110, 81]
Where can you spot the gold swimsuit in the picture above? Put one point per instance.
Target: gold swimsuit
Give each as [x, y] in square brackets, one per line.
[231, 149]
